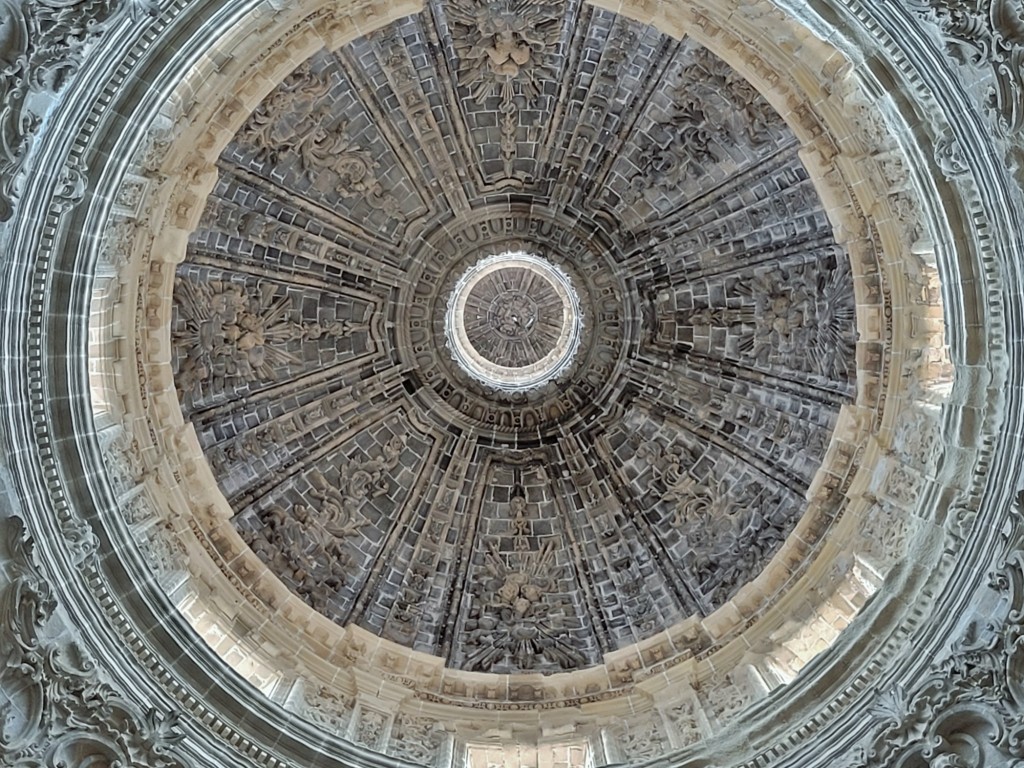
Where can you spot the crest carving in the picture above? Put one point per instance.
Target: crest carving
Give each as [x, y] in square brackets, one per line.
[504, 50]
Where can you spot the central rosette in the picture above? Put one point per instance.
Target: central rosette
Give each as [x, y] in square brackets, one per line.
[513, 321]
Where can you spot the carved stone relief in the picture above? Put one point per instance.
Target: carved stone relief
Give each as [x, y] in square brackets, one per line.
[332, 519]
[418, 740]
[58, 709]
[712, 109]
[231, 334]
[514, 619]
[504, 49]
[305, 544]
[968, 711]
[296, 121]
[306, 319]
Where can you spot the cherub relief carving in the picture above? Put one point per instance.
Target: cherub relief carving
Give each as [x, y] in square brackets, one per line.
[502, 43]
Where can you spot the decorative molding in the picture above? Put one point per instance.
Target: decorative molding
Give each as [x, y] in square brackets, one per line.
[42, 47]
[969, 712]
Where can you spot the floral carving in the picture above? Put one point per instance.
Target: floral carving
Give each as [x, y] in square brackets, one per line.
[306, 544]
[59, 711]
[514, 622]
[970, 711]
[229, 335]
[301, 552]
[329, 709]
[371, 728]
[730, 529]
[713, 107]
[643, 742]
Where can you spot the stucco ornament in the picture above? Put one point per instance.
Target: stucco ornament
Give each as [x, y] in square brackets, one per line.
[504, 49]
[503, 43]
[987, 34]
[42, 45]
[233, 334]
[58, 711]
[969, 713]
[514, 619]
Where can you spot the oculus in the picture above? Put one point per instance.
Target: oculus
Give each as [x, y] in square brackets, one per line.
[513, 321]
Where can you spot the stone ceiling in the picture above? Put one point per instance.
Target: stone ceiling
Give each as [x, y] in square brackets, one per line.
[511, 530]
[558, 385]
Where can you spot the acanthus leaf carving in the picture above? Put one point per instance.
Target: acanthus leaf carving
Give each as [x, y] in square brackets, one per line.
[731, 529]
[296, 119]
[230, 334]
[713, 107]
[801, 313]
[305, 543]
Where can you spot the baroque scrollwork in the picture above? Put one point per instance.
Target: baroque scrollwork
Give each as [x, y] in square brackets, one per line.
[987, 34]
[418, 740]
[730, 529]
[969, 713]
[504, 49]
[712, 107]
[306, 543]
[296, 122]
[58, 711]
[42, 45]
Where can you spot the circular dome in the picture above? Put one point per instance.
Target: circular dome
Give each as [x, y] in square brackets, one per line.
[570, 399]
[513, 321]
[664, 554]
[674, 519]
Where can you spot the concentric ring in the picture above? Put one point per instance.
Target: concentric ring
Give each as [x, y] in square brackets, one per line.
[514, 321]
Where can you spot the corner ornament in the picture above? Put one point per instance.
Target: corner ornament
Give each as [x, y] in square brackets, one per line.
[969, 713]
[987, 34]
[42, 47]
[58, 711]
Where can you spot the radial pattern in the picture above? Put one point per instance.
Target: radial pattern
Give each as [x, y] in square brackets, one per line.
[514, 351]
